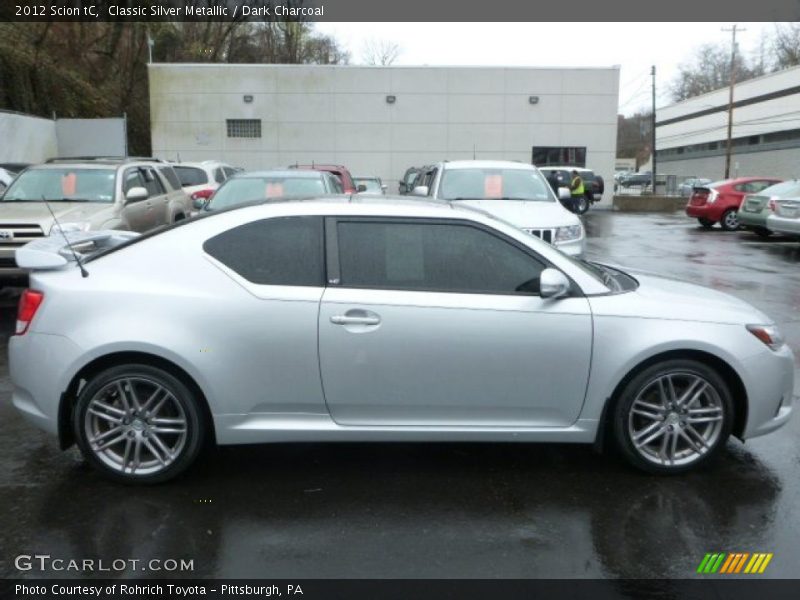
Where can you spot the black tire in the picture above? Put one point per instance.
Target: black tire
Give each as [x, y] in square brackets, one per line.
[673, 424]
[145, 429]
[705, 223]
[730, 220]
[761, 232]
[581, 205]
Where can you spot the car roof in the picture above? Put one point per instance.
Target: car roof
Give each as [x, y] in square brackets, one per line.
[202, 163]
[486, 164]
[563, 168]
[293, 173]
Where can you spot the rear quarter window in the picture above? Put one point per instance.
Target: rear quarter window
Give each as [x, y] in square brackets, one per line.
[279, 251]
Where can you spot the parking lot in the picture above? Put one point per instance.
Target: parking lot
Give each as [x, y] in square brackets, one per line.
[439, 510]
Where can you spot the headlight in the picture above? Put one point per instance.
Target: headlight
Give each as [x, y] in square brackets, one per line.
[73, 226]
[572, 232]
[769, 334]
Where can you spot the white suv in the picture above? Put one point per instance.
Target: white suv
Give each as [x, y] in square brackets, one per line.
[201, 179]
[515, 192]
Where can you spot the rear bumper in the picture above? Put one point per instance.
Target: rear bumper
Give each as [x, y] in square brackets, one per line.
[752, 219]
[706, 211]
[783, 225]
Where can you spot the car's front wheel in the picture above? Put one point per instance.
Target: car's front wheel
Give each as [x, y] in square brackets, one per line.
[138, 424]
[581, 205]
[673, 416]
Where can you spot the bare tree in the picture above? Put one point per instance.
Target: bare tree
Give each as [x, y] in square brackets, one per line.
[785, 46]
[709, 70]
[380, 52]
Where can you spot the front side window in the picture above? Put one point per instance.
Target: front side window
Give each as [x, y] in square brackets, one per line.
[152, 182]
[279, 251]
[494, 184]
[428, 256]
[62, 184]
[219, 176]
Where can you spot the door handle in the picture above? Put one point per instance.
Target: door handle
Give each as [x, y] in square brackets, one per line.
[345, 320]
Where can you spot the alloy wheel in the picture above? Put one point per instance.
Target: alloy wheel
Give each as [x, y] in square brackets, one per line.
[675, 419]
[731, 220]
[135, 426]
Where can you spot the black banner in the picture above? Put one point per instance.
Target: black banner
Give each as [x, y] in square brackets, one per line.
[733, 588]
[406, 11]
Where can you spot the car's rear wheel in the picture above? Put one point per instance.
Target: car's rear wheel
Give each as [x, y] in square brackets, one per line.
[730, 220]
[673, 416]
[581, 205]
[705, 223]
[138, 424]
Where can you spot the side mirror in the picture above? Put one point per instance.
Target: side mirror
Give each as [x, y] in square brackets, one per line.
[361, 188]
[564, 193]
[136, 193]
[420, 190]
[553, 284]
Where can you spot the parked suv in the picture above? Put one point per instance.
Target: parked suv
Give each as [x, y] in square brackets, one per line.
[593, 185]
[200, 179]
[515, 192]
[133, 194]
[340, 171]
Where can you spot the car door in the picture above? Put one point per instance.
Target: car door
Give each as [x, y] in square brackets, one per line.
[136, 213]
[158, 199]
[440, 323]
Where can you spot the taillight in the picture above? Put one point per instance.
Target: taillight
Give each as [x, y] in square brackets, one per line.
[29, 303]
[204, 194]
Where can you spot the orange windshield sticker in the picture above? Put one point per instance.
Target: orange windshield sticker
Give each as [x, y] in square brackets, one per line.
[274, 190]
[493, 186]
[68, 184]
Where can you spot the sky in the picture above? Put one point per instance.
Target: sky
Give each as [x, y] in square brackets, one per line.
[633, 46]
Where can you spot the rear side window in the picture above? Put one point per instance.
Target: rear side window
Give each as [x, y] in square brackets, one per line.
[280, 251]
[191, 176]
[170, 175]
[219, 176]
[433, 257]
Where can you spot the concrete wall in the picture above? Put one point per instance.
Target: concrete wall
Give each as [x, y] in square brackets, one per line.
[773, 163]
[91, 137]
[339, 114]
[27, 139]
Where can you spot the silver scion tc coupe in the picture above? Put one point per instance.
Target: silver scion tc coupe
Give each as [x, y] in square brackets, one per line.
[376, 319]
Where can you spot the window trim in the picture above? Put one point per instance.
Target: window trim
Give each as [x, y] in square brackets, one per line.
[334, 267]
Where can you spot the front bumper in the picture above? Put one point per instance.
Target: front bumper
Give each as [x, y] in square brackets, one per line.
[770, 391]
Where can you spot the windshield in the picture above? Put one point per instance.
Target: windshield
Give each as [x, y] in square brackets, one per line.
[239, 190]
[62, 185]
[191, 175]
[372, 185]
[494, 184]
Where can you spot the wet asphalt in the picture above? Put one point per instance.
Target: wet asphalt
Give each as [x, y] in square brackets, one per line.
[437, 510]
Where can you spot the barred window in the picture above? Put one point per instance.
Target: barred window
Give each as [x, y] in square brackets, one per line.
[244, 128]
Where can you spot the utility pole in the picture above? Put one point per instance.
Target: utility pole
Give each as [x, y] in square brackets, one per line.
[653, 132]
[729, 143]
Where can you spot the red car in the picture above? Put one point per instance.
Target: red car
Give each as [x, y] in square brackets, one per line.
[341, 172]
[719, 202]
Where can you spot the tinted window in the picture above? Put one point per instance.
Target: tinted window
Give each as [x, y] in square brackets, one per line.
[152, 182]
[169, 175]
[281, 251]
[435, 257]
[229, 171]
[338, 188]
[219, 176]
[191, 176]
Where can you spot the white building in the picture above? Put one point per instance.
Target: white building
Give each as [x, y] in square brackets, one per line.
[691, 135]
[382, 120]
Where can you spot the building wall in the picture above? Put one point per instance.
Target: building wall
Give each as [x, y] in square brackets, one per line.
[26, 139]
[340, 114]
[784, 164]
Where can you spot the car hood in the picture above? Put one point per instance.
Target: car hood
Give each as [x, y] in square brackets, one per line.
[659, 297]
[521, 213]
[37, 213]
